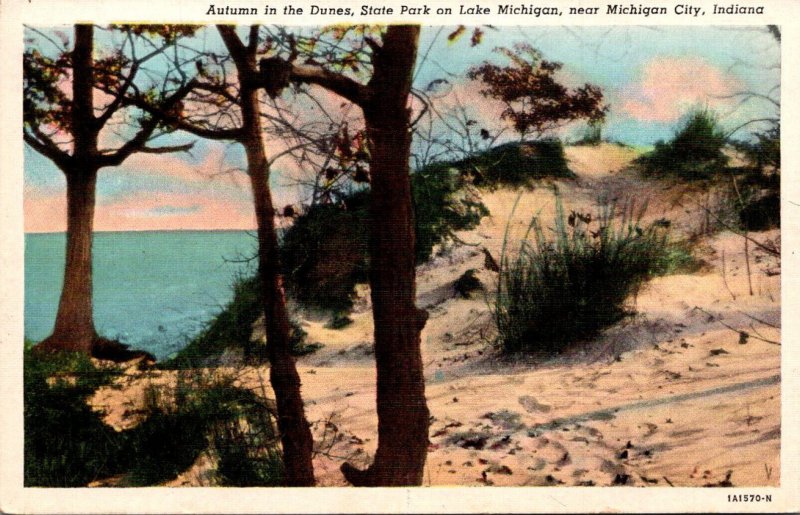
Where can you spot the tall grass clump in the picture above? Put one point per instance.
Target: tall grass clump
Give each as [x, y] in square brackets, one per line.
[66, 443]
[567, 286]
[198, 414]
[695, 152]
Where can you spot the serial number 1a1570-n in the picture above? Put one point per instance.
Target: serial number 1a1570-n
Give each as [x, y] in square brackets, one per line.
[749, 498]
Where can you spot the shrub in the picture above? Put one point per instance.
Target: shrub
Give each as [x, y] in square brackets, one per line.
[66, 443]
[325, 252]
[443, 204]
[517, 164]
[695, 152]
[197, 414]
[467, 283]
[232, 328]
[339, 321]
[560, 290]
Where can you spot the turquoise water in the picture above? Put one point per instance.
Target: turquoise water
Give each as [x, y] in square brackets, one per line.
[152, 290]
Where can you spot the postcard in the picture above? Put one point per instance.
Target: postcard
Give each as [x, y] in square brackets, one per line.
[399, 257]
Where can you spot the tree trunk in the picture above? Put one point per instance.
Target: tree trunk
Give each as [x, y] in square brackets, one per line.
[403, 417]
[74, 328]
[294, 428]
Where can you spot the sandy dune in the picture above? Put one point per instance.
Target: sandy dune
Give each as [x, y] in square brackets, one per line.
[673, 396]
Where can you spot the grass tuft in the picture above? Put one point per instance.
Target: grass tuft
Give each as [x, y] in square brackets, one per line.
[569, 286]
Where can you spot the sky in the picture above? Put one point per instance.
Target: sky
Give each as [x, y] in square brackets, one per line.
[651, 78]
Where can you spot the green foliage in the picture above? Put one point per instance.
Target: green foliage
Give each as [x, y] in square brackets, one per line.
[759, 194]
[517, 164]
[339, 321]
[232, 329]
[325, 252]
[68, 445]
[443, 204]
[562, 289]
[199, 413]
[695, 152]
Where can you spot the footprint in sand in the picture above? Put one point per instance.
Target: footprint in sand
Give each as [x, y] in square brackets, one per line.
[531, 405]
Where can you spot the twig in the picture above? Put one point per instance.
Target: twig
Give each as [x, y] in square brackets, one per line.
[760, 245]
[737, 331]
[668, 481]
[725, 277]
[747, 262]
[748, 315]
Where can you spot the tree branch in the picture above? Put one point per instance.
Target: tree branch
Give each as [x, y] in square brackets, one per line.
[138, 142]
[167, 149]
[45, 146]
[342, 85]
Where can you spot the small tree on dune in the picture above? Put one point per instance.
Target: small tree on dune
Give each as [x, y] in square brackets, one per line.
[533, 99]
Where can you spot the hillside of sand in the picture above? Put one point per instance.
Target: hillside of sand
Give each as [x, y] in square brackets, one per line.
[684, 393]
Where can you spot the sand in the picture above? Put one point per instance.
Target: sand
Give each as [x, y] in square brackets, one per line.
[673, 396]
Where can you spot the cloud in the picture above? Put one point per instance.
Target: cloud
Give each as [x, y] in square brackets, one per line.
[669, 86]
[46, 212]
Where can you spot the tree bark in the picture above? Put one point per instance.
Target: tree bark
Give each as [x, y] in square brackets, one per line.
[295, 431]
[403, 416]
[74, 327]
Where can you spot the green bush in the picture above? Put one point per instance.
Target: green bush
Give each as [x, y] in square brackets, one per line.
[232, 329]
[562, 289]
[517, 164]
[695, 152]
[202, 413]
[467, 283]
[66, 443]
[325, 253]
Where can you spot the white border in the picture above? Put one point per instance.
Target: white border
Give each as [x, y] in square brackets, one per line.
[15, 499]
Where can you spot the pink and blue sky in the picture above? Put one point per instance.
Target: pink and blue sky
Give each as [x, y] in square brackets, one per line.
[651, 77]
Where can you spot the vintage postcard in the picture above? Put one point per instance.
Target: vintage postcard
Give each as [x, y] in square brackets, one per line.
[399, 257]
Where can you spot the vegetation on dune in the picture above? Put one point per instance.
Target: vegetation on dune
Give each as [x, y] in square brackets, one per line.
[232, 330]
[561, 289]
[516, 164]
[325, 252]
[695, 152]
[68, 445]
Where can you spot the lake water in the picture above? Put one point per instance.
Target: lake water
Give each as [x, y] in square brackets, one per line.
[152, 290]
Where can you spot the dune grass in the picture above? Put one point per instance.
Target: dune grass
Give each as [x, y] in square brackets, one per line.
[564, 287]
[67, 444]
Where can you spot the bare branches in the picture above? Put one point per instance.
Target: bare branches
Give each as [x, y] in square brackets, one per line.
[138, 142]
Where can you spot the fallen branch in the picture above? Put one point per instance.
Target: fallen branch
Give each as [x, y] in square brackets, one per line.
[765, 248]
[737, 331]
